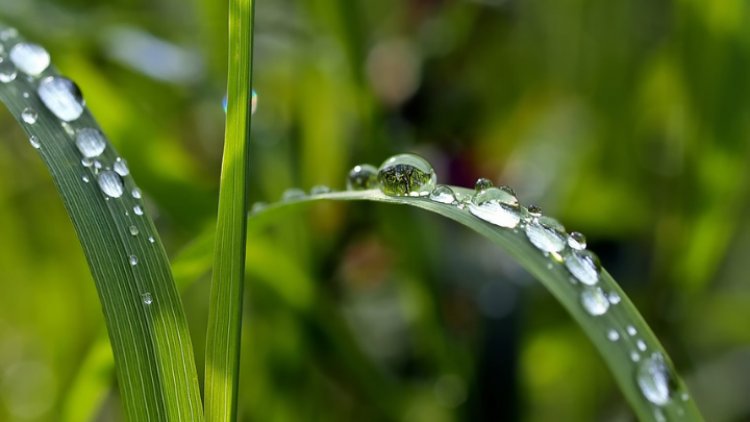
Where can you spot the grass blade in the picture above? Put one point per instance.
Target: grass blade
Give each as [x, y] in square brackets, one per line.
[145, 320]
[225, 308]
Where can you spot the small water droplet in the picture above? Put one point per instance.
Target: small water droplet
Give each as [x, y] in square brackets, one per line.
[614, 298]
[534, 211]
[87, 162]
[8, 34]
[292, 194]
[482, 184]
[90, 142]
[121, 167]
[151, 239]
[147, 299]
[584, 265]
[133, 230]
[136, 193]
[138, 210]
[406, 175]
[29, 115]
[641, 345]
[655, 379]
[362, 177]
[684, 396]
[503, 194]
[62, 97]
[631, 330]
[68, 128]
[546, 233]
[8, 71]
[34, 141]
[319, 190]
[133, 260]
[635, 357]
[594, 301]
[443, 194]
[111, 184]
[31, 59]
[85, 179]
[258, 207]
[613, 335]
[577, 241]
[496, 206]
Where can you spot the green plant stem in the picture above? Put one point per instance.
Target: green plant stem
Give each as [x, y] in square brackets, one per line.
[225, 307]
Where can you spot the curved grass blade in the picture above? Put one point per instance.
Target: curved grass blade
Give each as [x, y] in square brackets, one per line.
[633, 354]
[145, 320]
[225, 307]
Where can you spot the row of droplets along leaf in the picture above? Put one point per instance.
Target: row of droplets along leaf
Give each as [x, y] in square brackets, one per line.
[62, 97]
[413, 176]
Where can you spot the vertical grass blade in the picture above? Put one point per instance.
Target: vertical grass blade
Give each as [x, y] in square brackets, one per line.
[145, 319]
[225, 308]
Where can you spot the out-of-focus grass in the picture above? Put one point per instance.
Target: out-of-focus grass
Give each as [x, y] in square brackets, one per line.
[628, 120]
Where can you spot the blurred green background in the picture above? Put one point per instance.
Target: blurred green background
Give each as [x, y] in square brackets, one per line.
[628, 120]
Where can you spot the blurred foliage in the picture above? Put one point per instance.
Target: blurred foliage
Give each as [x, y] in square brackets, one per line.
[628, 120]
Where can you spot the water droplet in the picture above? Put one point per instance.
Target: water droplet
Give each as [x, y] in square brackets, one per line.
[613, 335]
[253, 102]
[133, 260]
[30, 59]
[684, 396]
[62, 97]
[496, 206]
[34, 141]
[584, 265]
[111, 184]
[147, 299]
[577, 241]
[138, 210]
[655, 379]
[635, 357]
[136, 193]
[406, 175]
[547, 234]
[631, 330]
[534, 211]
[87, 162]
[121, 167]
[482, 184]
[29, 115]
[8, 34]
[151, 239]
[641, 345]
[362, 177]
[90, 142]
[594, 301]
[614, 298]
[319, 190]
[133, 230]
[68, 128]
[8, 72]
[443, 194]
[258, 207]
[503, 194]
[292, 194]
[85, 179]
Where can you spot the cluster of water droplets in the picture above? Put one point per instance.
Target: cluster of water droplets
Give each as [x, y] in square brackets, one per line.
[62, 98]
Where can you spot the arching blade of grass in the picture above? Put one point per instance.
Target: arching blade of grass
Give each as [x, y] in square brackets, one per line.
[628, 355]
[225, 308]
[145, 320]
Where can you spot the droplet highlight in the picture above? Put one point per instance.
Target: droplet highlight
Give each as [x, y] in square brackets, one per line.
[62, 97]
[613, 335]
[137, 210]
[406, 175]
[34, 141]
[133, 260]
[147, 298]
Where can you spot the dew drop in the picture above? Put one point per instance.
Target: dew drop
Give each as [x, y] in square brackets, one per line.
[138, 210]
[85, 179]
[406, 175]
[121, 167]
[482, 184]
[631, 330]
[34, 141]
[62, 97]
[594, 301]
[443, 194]
[641, 345]
[614, 298]
[496, 206]
[136, 193]
[684, 396]
[292, 194]
[503, 194]
[87, 162]
[534, 211]
[8, 71]
[147, 299]
[29, 115]
[90, 142]
[655, 379]
[151, 239]
[258, 207]
[111, 184]
[577, 241]
[362, 177]
[613, 335]
[68, 128]
[8, 34]
[584, 266]
[319, 190]
[31, 59]
[546, 233]
[133, 230]
[635, 357]
[253, 102]
[133, 260]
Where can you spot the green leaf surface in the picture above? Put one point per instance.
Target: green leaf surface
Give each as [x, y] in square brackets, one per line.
[149, 338]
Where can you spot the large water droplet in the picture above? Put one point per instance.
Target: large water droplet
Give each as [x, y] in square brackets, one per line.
[655, 379]
[147, 299]
[498, 206]
[111, 184]
[547, 234]
[406, 175]
[62, 97]
[30, 59]
[121, 167]
[362, 177]
[577, 241]
[584, 265]
[8, 72]
[594, 301]
[29, 115]
[34, 141]
[443, 194]
[90, 142]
